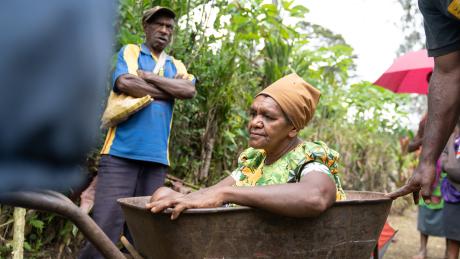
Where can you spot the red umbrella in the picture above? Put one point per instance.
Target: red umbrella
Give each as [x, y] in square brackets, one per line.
[408, 73]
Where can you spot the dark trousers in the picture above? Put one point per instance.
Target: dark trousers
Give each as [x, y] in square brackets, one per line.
[120, 178]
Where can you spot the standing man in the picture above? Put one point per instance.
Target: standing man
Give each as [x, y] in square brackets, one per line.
[135, 157]
[442, 29]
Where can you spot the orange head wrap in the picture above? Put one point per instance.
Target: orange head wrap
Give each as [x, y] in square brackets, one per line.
[297, 98]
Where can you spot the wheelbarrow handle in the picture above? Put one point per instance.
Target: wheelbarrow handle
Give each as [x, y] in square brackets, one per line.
[55, 202]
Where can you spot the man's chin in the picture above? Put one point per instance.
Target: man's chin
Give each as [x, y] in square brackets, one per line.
[157, 47]
[161, 45]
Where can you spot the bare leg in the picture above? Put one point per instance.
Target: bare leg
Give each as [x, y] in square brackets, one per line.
[423, 251]
[452, 249]
[445, 252]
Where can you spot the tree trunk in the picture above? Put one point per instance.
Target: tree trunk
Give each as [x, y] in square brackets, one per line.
[19, 216]
[207, 146]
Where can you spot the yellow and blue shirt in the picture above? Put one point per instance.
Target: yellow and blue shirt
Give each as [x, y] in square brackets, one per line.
[145, 135]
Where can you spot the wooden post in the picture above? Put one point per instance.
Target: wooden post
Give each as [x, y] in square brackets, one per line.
[19, 216]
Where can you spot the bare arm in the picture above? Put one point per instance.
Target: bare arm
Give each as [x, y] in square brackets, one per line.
[311, 196]
[443, 106]
[178, 88]
[137, 87]
[164, 196]
[443, 112]
[227, 181]
[416, 142]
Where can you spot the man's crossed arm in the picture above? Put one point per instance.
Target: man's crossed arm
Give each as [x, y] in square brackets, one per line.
[158, 87]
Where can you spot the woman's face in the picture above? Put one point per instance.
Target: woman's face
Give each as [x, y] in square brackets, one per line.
[268, 127]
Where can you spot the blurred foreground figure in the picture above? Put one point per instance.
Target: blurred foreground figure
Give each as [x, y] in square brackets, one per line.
[442, 29]
[54, 58]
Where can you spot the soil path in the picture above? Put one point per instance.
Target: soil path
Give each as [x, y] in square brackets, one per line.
[408, 238]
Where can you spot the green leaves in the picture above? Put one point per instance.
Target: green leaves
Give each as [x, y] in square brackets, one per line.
[298, 11]
[36, 223]
[269, 10]
[256, 48]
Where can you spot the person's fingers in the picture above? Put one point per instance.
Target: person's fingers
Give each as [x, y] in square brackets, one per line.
[142, 73]
[416, 197]
[153, 203]
[426, 193]
[149, 205]
[178, 210]
[179, 76]
[160, 206]
[406, 189]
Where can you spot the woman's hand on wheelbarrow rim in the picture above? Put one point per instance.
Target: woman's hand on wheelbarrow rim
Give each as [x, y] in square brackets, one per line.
[205, 198]
[162, 199]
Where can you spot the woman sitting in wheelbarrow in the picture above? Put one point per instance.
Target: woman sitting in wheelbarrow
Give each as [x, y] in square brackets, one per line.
[279, 172]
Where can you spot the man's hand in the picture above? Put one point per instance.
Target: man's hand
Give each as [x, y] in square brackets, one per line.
[404, 143]
[137, 87]
[176, 87]
[147, 76]
[419, 183]
[181, 76]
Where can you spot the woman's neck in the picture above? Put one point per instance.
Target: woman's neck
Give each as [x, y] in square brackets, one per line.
[277, 154]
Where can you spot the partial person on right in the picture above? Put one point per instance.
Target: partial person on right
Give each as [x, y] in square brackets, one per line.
[442, 29]
[450, 160]
[429, 217]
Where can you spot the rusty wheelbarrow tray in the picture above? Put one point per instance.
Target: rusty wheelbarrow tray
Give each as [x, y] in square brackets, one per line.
[349, 229]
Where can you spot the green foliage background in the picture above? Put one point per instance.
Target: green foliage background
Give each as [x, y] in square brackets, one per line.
[235, 49]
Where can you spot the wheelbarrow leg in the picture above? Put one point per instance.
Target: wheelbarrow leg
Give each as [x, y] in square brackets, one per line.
[376, 251]
[55, 202]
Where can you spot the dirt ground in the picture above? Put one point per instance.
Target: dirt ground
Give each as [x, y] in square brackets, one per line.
[408, 238]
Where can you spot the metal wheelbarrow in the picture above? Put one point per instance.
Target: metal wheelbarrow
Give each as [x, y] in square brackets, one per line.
[349, 229]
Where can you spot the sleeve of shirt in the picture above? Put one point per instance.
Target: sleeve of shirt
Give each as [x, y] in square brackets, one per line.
[319, 152]
[237, 174]
[316, 167]
[249, 158]
[127, 63]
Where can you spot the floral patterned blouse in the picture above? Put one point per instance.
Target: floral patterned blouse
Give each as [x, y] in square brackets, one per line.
[253, 171]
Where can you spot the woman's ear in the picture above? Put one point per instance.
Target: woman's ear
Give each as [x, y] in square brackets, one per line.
[293, 132]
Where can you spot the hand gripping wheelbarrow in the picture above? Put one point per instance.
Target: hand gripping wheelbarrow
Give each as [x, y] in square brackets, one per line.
[349, 229]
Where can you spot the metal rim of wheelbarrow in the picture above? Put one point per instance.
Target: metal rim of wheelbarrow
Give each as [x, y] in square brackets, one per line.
[240, 208]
